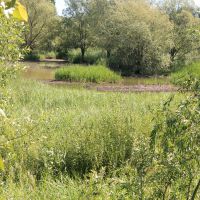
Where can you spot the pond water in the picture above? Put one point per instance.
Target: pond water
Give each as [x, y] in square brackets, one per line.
[41, 70]
[45, 71]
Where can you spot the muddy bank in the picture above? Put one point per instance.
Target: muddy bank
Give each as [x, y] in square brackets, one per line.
[116, 88]
[138, 88]
[44, 71]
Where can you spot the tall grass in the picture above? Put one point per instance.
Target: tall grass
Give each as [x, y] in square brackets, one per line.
[69, 133]
[186, 71]
[78, 130]
[95, 74]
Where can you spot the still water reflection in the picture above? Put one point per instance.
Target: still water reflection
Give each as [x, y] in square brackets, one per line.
[41, 70]
[45, 71]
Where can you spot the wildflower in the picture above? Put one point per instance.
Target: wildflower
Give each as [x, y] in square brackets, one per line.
[8, 12]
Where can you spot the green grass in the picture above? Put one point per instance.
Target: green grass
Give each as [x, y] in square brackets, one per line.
[96, 129]
[69, 133]
[159, 80]
[95, 74]
[185, 72]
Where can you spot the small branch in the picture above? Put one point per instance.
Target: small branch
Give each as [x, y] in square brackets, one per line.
[195, 191]
[20, 136]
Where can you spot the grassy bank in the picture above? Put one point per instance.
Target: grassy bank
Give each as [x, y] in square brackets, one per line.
[95, 74]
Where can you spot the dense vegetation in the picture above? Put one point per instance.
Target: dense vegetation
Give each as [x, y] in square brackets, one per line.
[186, 72]
[95, 74]
[61, 143]
[155, 38]
[106, 144]
[135, 36]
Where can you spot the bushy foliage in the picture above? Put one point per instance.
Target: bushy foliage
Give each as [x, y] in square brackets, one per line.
[175, 144]
[185, 73]
[10, 53]
[92, 56]
[96, 74]
[77, 26]
[11, 39]
[186, 37]
[139, 40]
[40, 26]
[47, 55]
[31, 56]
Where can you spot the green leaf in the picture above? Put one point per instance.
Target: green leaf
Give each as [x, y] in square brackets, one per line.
[10, 4]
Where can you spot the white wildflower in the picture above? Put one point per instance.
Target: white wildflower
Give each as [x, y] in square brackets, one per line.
[8, 12]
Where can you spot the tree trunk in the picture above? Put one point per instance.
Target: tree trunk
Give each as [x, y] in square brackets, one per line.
[108, 54]
[173, 53]
[82, 55]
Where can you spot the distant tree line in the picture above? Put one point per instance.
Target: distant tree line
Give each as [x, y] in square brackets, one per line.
[137, 36]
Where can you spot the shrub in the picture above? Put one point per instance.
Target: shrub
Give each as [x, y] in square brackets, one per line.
[175, 142]
[92, 56]
[36, 56]
[185, 72]
[32, 57]
[47, 55]
[62, 54]
[94, 74]
[10, 39]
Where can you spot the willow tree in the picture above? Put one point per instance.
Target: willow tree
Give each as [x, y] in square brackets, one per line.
[77, 25]
[137, 35]
[41, 17]
[186, 29]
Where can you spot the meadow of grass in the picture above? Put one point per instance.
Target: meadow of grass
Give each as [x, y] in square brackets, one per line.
[95, 74]
[74, 144]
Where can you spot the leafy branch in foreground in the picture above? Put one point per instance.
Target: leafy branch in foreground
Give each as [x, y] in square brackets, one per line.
[13, 8]
[175, 141]
[10, 42]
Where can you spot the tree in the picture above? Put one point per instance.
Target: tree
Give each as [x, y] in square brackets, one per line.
[78, 25]
[136, 35]
[41, 16]
[186, 29]
[98, 10]
[186, 35]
